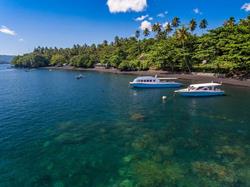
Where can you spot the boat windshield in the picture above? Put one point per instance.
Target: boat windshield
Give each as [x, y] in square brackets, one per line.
[203, 88]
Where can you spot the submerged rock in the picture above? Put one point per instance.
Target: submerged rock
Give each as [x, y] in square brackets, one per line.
[137, 117]
[166, 150]
[128, 158]
[126, 183]
[233, 151]
[149, 173]
[46, 144]
[58, 184]
[214, 171]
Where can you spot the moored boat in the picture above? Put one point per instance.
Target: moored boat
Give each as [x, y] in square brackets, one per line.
[154, 82]
[201, 90]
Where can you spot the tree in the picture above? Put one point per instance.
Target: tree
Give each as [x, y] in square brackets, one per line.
[58, 60]
[203, 24]
[137, 34]
[156, 28]
[83, 60]
[225, 49]
[176, 22]
[192, 25]
[168, 28]
[230, 22]
[182, 35]
[146, 32]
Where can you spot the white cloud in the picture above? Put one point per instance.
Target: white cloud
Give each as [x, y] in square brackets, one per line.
[150, 18]
[162, 14]
[6, 30]
[21, 40]
[197, 11]
[246, 7]
[141, 18]
[165, 24]
[146, 24]
[116, 6]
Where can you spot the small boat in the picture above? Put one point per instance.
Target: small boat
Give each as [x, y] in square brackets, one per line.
[154, 82]
[201, 90]
[79, 77]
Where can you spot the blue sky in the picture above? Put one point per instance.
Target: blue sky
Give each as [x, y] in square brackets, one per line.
[25, 24]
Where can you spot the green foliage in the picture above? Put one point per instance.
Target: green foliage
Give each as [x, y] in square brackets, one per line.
[30, 60]
[225, 49]
[57, 59]
[84, 60]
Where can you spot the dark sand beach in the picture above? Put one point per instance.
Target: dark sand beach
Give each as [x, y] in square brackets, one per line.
[193, 77]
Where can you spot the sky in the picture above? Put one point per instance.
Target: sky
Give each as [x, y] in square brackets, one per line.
[26, 24]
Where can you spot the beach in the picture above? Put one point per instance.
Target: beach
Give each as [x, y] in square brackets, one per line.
[193, 77]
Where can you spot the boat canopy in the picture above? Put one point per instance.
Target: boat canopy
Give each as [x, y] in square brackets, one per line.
[168, 78]
[205, 85]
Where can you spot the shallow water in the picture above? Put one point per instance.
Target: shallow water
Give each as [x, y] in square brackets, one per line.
[59, 131]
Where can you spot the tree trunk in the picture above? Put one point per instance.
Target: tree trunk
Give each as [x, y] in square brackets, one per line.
[185, 58]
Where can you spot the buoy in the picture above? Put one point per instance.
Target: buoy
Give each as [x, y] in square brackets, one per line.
[164, 97]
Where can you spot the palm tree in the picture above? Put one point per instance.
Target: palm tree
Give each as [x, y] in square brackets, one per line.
[168, 28]
[137, 34]
[176, 22]
[146, 32]
[157, 29]
[203, 24]
[192, 25]
[182, 35]
[230, 22]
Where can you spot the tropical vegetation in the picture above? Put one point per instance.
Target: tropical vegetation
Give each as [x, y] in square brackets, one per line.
[173, 47]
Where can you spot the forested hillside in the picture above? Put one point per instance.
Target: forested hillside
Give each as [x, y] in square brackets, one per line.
[174, 47]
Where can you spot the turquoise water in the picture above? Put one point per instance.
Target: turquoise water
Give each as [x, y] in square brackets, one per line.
[58, 131]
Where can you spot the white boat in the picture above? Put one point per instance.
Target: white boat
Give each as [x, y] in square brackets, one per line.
[201, 90]
[154, 82]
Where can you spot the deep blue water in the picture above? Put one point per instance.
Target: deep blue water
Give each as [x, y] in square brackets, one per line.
[59, 131]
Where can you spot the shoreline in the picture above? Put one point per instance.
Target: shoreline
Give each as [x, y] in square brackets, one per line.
[194, 77]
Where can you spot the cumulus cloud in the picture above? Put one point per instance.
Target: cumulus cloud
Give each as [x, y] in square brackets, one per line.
[116, 6]
[246, 7]
[6, 30]
[141, 18]
[150, 18]
[21, 40]
[146, 25]
[197, 11]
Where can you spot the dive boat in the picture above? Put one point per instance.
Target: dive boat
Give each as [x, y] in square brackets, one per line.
[201, 90]
[154, 82]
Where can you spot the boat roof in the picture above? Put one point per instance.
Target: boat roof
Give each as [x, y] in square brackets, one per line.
[167, 78]
[151, 77]
[205, 85]
[146, 77]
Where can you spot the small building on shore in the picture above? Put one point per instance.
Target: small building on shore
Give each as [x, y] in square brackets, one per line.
[101, 66]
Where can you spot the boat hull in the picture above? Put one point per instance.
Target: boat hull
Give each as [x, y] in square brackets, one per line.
[201, 94]
[157, 85]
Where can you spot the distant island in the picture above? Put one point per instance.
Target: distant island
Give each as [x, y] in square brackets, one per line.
[173, 47]
[6, 59]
